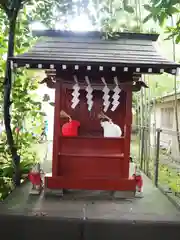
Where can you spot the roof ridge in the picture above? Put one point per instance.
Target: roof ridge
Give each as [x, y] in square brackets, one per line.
[95, 34]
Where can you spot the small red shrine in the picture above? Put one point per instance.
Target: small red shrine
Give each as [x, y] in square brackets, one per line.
[92, 75]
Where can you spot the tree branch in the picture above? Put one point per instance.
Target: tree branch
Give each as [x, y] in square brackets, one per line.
[5, 8]
[13, 13]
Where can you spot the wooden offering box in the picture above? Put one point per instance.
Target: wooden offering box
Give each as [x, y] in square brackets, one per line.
[91, 163]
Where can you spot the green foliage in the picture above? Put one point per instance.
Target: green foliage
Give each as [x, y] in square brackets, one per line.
[50, 12]
[6, 186]
[161, 11]
[26, 117]
[22, 106]
[174, 32]
[169, 177]
[46, 98]
[112, 16]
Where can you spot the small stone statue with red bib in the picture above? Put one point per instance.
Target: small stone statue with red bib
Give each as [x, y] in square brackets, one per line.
[35, 179]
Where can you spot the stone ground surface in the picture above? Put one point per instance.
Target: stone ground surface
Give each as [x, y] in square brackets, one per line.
[89, 204]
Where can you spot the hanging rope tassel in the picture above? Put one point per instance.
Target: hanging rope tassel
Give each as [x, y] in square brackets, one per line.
[106, 95]
[116, 95]
[89, 95]
[75, 100]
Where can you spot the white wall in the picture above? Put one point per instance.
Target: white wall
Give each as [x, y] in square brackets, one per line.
[168, 134]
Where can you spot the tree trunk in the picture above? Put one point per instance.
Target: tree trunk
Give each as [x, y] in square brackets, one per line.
[154, 125]
[142, 128]
[175, 93]
[176, 113]
[7, 102]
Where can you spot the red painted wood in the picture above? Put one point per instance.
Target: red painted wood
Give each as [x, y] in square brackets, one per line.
[95, 156]
[91, 161]
[91, 166]
[93, 145]
[117, 184]
[92, 154]
[128, 122]
[57, 129]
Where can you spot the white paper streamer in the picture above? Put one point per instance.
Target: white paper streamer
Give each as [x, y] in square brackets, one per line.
[75, 100]
[89, 95]
[116, 95]
[106, 95]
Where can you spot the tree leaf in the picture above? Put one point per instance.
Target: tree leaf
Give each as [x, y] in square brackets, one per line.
[162, 18]
[147, 7]
[169, 37]
[147, 18]
[52, 104]
[42, 114]
[129, 9]
[46, 98]
[174, 2]
[158, 3]
[178, 39]
[172, 10]
[125, 2]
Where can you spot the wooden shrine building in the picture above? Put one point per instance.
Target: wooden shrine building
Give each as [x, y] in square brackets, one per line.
[91, 75]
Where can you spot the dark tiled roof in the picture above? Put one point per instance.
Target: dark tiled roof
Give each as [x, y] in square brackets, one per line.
[129, 50]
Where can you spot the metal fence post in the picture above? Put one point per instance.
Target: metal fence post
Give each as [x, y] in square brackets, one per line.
[142, 148]
[147, 152]
[156, 162]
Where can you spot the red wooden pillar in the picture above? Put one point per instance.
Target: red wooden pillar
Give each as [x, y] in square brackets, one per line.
[57, 130]
[128, 122]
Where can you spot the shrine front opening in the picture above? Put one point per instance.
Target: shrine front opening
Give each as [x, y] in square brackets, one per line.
[90, 161]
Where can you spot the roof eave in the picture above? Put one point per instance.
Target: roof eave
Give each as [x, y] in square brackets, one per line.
[143, 67]
[51, 61]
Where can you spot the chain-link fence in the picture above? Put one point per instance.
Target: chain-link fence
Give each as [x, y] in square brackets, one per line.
[156, 151]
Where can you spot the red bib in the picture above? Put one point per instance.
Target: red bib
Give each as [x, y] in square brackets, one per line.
[35, 178]
[71, 128]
